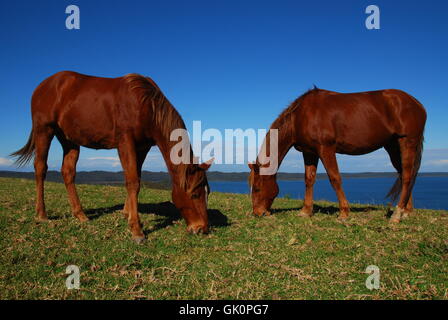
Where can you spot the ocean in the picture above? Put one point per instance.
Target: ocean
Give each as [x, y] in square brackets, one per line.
[428, 193]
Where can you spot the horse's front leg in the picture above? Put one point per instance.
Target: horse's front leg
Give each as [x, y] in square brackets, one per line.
[141, 156]
[128, 158]
[311, 162]
[328, 157]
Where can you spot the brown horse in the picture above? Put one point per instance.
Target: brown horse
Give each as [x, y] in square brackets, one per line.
[321, 123]
[130, 114]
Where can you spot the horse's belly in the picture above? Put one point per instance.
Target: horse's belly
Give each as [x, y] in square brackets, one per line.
[89, 131]
[88, 139]
[356, 147]
[361, 137]
[357, 151]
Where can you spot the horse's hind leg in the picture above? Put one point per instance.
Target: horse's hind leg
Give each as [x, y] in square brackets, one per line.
[409, 210]
[408, 148]
[393, 149]
[42, 139]
[328, 157]
[311, 162]
[68, 170]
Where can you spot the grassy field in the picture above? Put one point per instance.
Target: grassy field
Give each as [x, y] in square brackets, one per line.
[244, 257]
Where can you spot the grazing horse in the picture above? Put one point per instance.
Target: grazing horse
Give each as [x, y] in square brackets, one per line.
[130, 114]
[321, 123]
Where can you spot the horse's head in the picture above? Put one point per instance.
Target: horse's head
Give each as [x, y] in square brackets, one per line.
[190, 196]
[263, 188]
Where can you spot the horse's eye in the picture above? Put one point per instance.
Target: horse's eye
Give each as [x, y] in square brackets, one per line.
[256, 190]
[195, 196]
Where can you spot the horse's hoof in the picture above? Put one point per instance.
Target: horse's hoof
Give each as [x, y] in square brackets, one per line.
[394, 220]
[138, 239]
[406, 215]
[82, 218]
[396, 216]
[343, 218]
[303, 214]
[41, 219]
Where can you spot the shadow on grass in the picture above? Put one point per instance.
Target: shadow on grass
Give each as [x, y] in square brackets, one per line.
[330, 210]
[167, 212]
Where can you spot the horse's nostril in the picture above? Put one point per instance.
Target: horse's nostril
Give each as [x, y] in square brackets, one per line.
[261, 213]
[197, 229]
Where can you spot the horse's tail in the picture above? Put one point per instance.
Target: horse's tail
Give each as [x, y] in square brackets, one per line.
[25, 154]
[396, 188]
[394, 192]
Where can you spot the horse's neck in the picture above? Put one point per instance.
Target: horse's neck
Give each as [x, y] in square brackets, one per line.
[283, 148]
[165, 146]
[285, 143]
[285, 140]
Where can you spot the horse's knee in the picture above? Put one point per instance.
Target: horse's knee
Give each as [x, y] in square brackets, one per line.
[336, 181]
[133, 186]
[309, 180]
[40, 167]
[40, 170]
[68, 174]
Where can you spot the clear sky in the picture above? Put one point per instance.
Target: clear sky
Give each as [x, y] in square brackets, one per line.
[230, 64]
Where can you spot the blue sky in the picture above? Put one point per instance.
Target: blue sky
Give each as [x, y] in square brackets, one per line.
[230, 64]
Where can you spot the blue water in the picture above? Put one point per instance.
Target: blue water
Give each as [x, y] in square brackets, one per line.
[429, 192]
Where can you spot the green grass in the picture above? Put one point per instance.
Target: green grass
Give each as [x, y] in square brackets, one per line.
[277, 257]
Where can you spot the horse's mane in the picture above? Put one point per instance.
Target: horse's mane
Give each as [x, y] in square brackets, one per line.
[284, 121]
[165, 116]
[284, 116]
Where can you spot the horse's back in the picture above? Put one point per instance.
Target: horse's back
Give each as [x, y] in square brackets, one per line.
[358, 123]
[65, 86]
[83, 108]
[388, 107]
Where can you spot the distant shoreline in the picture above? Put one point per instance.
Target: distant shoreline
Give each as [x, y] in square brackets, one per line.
[162, 179]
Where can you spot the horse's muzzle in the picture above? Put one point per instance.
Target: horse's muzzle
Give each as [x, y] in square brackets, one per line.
[197, 229]
[261, 213]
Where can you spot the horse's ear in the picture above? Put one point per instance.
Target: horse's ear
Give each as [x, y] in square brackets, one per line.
[206, 164]
[253, 166]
